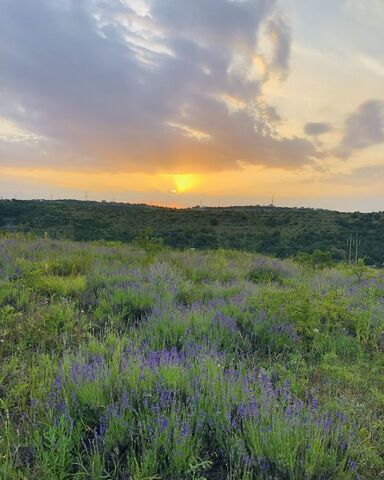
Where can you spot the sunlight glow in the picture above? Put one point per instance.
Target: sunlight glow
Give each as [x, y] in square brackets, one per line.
[184, 183]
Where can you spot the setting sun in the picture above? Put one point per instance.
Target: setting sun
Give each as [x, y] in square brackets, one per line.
[184, 183]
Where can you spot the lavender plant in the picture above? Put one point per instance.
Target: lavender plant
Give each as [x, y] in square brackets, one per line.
[189, 366]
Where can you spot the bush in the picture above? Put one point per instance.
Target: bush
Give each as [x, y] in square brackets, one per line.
[63, 286]
[149, 243]
[267, 270]
[123, 308]
[73, 265]
[318, 260]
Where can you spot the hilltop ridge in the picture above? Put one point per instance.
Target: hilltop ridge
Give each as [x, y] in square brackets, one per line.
[279, 231]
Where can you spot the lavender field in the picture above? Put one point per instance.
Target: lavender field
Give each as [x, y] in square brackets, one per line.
[121, 363]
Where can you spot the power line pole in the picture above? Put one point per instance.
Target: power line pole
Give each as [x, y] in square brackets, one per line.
[349, 244]
[353, 241]
[358, 242]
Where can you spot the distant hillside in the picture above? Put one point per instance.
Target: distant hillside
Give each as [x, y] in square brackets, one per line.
[278, 231]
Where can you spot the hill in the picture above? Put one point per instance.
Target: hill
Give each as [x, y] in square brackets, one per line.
[272, 230]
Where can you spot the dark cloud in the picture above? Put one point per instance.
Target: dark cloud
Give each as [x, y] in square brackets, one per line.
[117, 88]
[280, 36]
[363, 128]
[317, 128]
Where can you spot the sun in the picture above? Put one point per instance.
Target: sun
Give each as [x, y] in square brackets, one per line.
[184, 183]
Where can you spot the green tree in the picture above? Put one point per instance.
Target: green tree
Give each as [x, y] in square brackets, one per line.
[317, 260]
[151, 244]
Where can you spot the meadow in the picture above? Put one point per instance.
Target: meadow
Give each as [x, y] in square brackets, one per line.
[118, 362]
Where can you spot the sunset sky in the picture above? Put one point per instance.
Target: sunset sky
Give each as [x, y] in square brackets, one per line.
[183, 102]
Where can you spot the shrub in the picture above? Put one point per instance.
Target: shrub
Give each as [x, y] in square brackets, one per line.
[267, 270]
[63, 286]
[122, 308]
[318, 260]
[73, 265]
[149, 243]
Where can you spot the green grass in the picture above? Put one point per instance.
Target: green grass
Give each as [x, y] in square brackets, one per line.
[186, 365]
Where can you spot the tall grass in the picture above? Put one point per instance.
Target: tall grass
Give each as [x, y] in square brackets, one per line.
[214, 365]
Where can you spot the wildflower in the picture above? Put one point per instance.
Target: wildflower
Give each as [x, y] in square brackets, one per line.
[164, 423]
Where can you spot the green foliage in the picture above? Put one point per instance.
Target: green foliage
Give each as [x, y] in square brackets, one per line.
[264, 274]
[190, 365]
[122, 308]
[284, 444]
[149, 243]
[360, 270]
[282, 232]
[55, 447]
[63, 286]
[318, 260]
[70, 266]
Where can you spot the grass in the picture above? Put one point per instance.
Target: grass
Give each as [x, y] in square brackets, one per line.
[186, 365]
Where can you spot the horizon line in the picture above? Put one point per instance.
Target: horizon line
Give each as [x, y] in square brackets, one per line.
[193, 207]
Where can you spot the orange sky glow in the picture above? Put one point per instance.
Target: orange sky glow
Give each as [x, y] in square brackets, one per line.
[139, 102]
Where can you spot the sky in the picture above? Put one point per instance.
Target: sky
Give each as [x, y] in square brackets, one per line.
[194, 102]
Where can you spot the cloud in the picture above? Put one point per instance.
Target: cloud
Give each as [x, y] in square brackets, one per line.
[144, 85]
[317, 128]
[371, 172]
[372, 64]
[363, 128]
[280, 36]
[362, 177]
